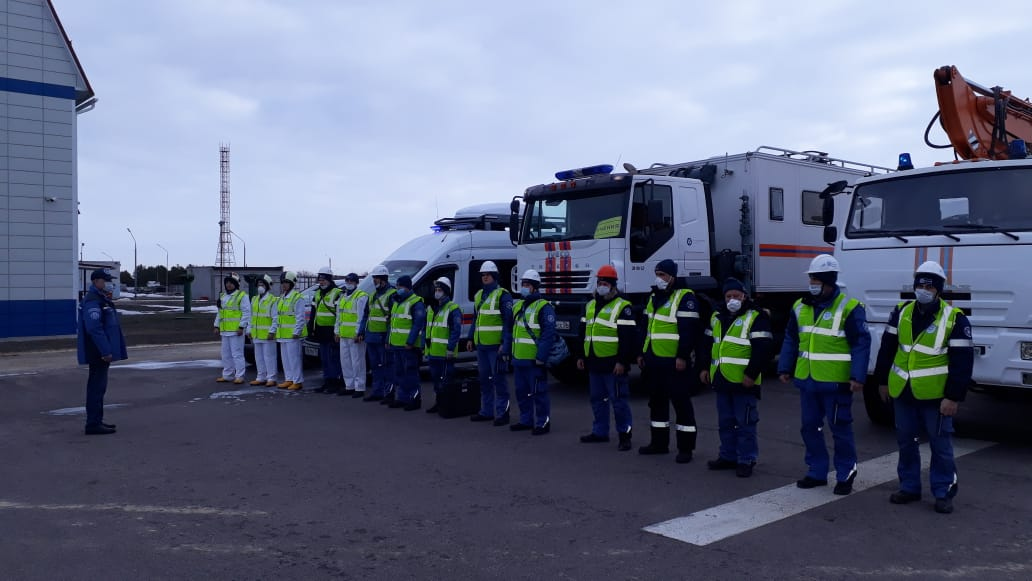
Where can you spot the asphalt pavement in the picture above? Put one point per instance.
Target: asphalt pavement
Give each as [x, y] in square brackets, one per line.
[207, 481]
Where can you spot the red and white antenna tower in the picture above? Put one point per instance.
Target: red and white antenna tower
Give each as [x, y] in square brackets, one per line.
[225, 257]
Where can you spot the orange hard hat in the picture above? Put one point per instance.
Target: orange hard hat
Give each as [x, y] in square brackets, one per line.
[607, 271]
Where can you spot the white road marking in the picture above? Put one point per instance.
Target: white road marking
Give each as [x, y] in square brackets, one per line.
[133, 508]
[19, 373]
[745, 514]
[237, 394]
[79, 411]
[151, 365]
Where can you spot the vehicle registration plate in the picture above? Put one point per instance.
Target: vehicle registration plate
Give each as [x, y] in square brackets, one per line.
[311, 351]
[562, 325]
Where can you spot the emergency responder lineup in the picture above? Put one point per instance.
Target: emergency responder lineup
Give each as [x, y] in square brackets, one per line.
[924, 365]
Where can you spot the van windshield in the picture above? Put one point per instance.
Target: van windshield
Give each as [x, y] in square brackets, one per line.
[978, 200]
[395, 270]
[577, 215]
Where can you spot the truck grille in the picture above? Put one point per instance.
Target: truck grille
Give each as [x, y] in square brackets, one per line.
[565, 281]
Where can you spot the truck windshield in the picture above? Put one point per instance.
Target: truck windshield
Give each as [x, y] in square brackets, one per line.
[978, 200]
[577, 215]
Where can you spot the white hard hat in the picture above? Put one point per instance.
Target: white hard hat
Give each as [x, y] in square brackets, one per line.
[532, 275]
[823, 263]
[443, 281]
[326, 270]
[931, 267]
[379, 270]
[264, 278]
[488, 266]
[289, 276]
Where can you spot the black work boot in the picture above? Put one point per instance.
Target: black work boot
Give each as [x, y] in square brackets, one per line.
[685, 446]
[625, 441]
[660, 443]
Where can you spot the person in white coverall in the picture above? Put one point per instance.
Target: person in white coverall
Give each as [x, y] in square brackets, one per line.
[290, 331]
[263, 333]
[230, 323]
[351, 308]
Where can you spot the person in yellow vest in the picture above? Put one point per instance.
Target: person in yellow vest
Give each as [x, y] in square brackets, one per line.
[290, 331]
[491, 336]
[322, 327]
[610, 347]
[350, 309]
[671, 337]
[405, 337]
[372, 331]
[826, 350]
[231, 322]
[925, 364]
[443, 331]
[533, 332]
[740, 341]
[263, 333]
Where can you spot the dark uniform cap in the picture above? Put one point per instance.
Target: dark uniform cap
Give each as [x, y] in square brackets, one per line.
[101, 273]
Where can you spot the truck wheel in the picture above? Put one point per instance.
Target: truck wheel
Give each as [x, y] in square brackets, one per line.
[879, 412]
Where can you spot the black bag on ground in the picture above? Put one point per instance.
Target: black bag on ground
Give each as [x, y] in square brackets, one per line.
[458, 398]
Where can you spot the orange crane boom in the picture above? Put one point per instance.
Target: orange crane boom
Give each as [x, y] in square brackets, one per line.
[980, 122]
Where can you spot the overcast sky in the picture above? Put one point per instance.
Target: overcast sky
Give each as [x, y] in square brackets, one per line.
[353, 125]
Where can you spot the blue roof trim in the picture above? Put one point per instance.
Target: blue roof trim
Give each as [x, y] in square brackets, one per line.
[34, 88]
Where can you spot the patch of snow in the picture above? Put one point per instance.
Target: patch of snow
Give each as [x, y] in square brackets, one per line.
[151, 365]
[237, 394]
[81, 411]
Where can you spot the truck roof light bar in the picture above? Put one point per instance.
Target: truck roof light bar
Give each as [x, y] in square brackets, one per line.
[591, 170]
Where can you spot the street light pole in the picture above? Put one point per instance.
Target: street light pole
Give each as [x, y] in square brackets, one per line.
[136, 269]
[82, 251]
[245, 246]
[166, 266]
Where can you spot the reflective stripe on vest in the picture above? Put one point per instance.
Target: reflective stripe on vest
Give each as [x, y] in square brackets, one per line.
[924, 362]
[286, 320]
[347, 314]
[823, 348]
[437, 331]
[379, 310]
[262, 314]
[326, 308]
[601, 334]
[524, 347]
[488, 317]
[401, 322]
[662, 333]
[230, 312]
[730, 354]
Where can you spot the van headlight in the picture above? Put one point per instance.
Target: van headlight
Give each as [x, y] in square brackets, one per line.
[1026, 350]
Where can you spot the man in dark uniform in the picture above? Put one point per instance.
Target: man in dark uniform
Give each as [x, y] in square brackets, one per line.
[100, 342]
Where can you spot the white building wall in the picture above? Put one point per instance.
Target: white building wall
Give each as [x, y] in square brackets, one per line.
[38, 197]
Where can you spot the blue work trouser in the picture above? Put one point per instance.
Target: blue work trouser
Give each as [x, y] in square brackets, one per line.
[532, 395]
[837, 408]
[494, 382]
[406, 373]
[380, 364]
[737, 416]
[96, 387]
[606, 388]
[441, 370]
[329, 354]
[912, 418]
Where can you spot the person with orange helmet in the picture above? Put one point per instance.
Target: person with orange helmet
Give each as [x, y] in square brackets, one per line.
[610, 346]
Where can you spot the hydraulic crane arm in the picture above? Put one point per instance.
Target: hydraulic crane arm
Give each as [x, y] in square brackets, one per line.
[980, 122]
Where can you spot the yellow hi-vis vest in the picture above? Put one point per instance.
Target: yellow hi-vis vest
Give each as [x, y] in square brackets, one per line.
[924, 362]
[262, 316]
[601, 337]
[524, 346]
[286, 320]
[437, 330]
[326, 308]
[401, 322]
[662, 333]
[230, 312]
[823, 348]
[489, 317]
[731, 352]
[347, 314]
[379, 310]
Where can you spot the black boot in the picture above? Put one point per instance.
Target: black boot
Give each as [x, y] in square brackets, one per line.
[685, 446]
[625, 441]
[660, 443]
[432, 409]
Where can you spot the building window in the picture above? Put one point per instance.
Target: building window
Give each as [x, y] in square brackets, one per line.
[777, 204]
[812, 208]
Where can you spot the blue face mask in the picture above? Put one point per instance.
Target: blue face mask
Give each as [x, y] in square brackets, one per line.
[816, 289]
[524, 291]
[402, 293]
[924, 296]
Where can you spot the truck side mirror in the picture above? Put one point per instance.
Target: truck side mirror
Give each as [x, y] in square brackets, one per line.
[514, 220]
[830, 234]
[828, 211]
